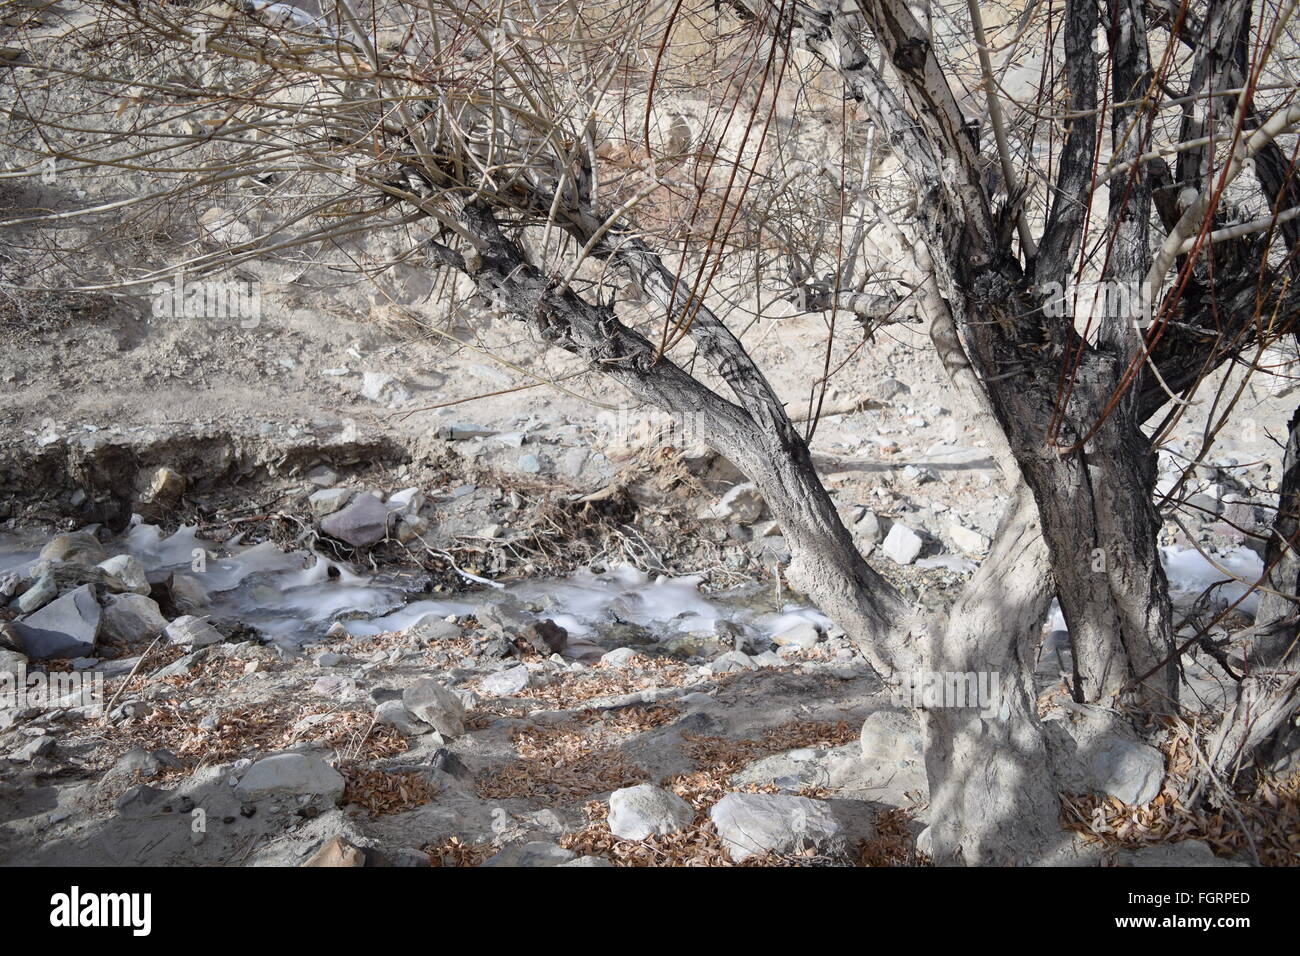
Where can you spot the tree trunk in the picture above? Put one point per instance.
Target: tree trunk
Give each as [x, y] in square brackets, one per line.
[1278, 617]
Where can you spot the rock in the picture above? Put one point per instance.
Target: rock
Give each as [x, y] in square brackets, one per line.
[163, 487]
[892, 737]
[530, 464]
[193, 631]
[1186, 853]
[1129, 771]
[537, 853]
[802, 635]
[891, 388]
[328, 500]
[410, 527]
[131, 617]
[13, 663]
[732, 661]
[291, 774]
[920, 474]
[902, 545]
[43, 746]
[972, 542]
[127, 572]
[546, 637]
[323, 476]
[41, 593]
[383, 388]
[66, 627]
[394, 712]
[742, 504]
[638, 812]
[620, 657]
[588, 861]
[867, 529]
[337, 852]
[438, 707]
[407, 501]
[224, 227]
[462, 431]
[182, 665]
[362, 523]
[80, 548]
[187, 594]
[751, 824]
[506, 683]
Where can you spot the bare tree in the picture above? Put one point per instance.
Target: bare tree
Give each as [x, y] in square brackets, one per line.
[525, 147]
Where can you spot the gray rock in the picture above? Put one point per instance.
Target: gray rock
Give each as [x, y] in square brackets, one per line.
[620, 657]
[1129, 771]
[362, 523]
[732, 661]
[407, 501]
[384, 388]
[80, 547]
[530, 464]
[12, 662]
[867, 529]
[42, 592]
[187, 593]
[127, 572]
[892, 737]
[131, 617]
[463, 431]
[588, 861]
[394, 712]
[193, 631]
[802, 635]
[43, 746]
[537, 853]
[291, 774]
[902, 545]
[323, 476]
[506, 683]
[66, 627]
[438, 707]
[641, 811]
[1187, 853]
[328, 500]
[751, 824]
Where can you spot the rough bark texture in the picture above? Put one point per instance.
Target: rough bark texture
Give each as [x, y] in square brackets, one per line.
[993, 797]
[1278, 616]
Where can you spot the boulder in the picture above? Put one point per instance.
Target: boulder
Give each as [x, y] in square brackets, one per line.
[291, 774]
[902, 545]
[125, 573]
[193, 631]
[752, 824]
[438, 707]
[642, 811]
[506, 683]
[536, 853]
[362, 523]
[131, 617]
[44, 590]
[1129, 771]
[66, 627]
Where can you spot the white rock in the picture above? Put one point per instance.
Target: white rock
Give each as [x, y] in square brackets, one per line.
[902, 545]
[1129, 771]
[128, 571]
[638, 812]
[328, 500]
[192, 630]
[751, 824]
[802, 635]
[969, 541]
[291, 774]
[506, 683]
[620, 657]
